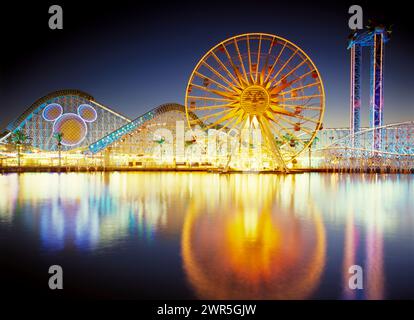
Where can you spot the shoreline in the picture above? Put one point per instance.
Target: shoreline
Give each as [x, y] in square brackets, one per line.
[5, 170]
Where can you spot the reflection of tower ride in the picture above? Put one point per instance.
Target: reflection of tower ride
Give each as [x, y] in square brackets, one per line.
[252, 252]
[350, 250]
[373, 269]
[375, 38]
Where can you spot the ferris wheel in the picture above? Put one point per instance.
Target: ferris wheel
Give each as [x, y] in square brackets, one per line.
[261, 81]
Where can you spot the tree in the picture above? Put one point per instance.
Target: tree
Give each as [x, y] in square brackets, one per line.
[19, 138]
[290, 139]
[160, 142]
[189, 146]
[279, 143]
[58, 137]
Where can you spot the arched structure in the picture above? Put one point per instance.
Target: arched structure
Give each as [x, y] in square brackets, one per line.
[75, 114]
[140, 123]
[396, 152]
[155, 137]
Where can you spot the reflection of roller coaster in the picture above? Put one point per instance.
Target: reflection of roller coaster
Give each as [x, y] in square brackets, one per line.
[395, 154]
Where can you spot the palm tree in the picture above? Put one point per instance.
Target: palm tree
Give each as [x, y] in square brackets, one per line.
[189, 144]
[160, 142]
[59, 136]
[278, 142]
[19, 138]
[290, 139]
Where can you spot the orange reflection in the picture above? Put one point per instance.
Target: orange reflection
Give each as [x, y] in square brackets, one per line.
[245, 250]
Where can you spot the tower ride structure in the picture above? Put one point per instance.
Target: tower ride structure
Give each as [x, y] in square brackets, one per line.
[374, 38]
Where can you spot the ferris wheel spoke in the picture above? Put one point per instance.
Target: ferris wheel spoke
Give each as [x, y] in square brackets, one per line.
[303, 97]
[210, 99]
[215, 107]
[274, 63]
[276, 131]
[291, 135]
[303, 76]
[284, 66]
[284, 112]
[249, 60]
[202, 76]
[241, 60]
[310, 85]
[213, 115]
[264, 123]
[274, 92]
[307, 119]
[244, 119]
[258, 57]
[225, 94]
[293, 70]
[278, 110]
[233, 97]
[239, 76]
[294, 124]
[301, 106]
[280, 86]
[272, 44]
[219, 75]
[232, 123]
[282, 138]
[229, 115]
[236, 81]
[264, 68]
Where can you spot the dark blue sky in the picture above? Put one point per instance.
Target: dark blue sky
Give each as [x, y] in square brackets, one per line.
[134, 57]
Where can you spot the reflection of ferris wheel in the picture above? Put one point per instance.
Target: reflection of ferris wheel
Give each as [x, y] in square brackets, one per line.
[259, 81]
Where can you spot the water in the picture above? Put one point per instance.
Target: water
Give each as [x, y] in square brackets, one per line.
[207, 236]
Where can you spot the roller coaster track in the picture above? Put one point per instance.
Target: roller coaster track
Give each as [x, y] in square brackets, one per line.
[406, 146]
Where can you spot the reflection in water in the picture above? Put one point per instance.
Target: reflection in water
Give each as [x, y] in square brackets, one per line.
[373, 263]
[351, 246]
[245, 247]
[87, 211]
[237, 236]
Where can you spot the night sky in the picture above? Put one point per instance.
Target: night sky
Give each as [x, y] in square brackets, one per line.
[133, 57]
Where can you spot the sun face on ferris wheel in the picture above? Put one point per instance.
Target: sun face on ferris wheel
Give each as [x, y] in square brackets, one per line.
[259, 81]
